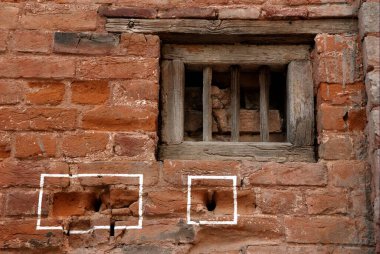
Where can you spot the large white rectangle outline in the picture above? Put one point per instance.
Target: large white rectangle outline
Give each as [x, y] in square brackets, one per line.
[39, 227]
[203, 222]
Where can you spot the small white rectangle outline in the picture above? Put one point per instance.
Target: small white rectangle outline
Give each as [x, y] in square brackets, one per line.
[203, 222]
[42, 180]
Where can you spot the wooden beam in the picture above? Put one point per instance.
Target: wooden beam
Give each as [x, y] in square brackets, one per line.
[207, 104]
[300, 103]
[236, 54]
[256, 151]
[235, 103]
[264, 80]
[232, 27]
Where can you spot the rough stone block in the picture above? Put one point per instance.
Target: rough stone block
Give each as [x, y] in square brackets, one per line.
[369, 18]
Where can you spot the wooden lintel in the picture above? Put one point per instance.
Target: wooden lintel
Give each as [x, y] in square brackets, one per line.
[232, 27]
[256, 151]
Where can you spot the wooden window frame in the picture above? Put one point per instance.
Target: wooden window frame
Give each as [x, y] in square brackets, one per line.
[300, 103]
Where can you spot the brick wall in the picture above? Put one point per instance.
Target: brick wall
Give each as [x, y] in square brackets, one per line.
[76, 100]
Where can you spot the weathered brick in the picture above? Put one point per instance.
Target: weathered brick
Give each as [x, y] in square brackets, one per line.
[21, 202]
[293, 173]
[3, 40]
[360, 202]
[271, 201]
[8, 16]
[36, 67]
[116, 68]
[281, 12]
[38, 119]
[11, 92]
[31, 41]
[328, 229]
[337, 147]
[133, 44]
[121, 198]
[351, 174]
[43, 93]
[24, 235]
[55, 16]
[327, 202]
[332, 10]
[89, 92]
[5, 145]
[371, 53]
[239, 13]
[176, 171]
[15, 173]
[256, 229]
[134, 91]
[148, 169]
[337, 94]
[84, 43]
[368, 18]
[135, 145]
[332, 117]
[121, 118]
[193, 12]
[35, 145]
[372, 82]
[374, 128]
[73, 203]
[266, 249]
[81, 145]
[128, 12]
[357, 119]
[352, 250]
[309, 248]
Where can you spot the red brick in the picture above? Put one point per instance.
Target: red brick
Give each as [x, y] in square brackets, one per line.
[73, 203]
[293, 173]
[270, 249]
[357, 119]
[273, 11]
[327, 202]
[351, 174]
[328, 229]
[15, 173]
[176, 171]
[135, 145]
[21, 202]
[193, 12]
[337, 94]
[352, 250]
[280, 202]
[122, 198]
[31, 41]
[5, 145]
[332, 10]
[148, 169]
[50, 16]
[128, 92]
[42, 93]
[81, 145]
[11, 92]
[38, 119]
[121, 118]
[8, 16]
[360, 202]
[36, 67]
[332, 117]
[336, 147]
[23, 234]
[116, 68]
[310, 248]
[256, 229]
[128, 12]
[3, 40]
[133, 44]
[89, 92]
[35, 145]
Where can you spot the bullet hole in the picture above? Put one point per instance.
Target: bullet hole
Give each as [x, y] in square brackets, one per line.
[211, 202]
[345, 117]
[112, 228]
[97, 205]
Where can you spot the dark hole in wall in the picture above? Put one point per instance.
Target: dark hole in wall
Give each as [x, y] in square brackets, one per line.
[211, 201]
